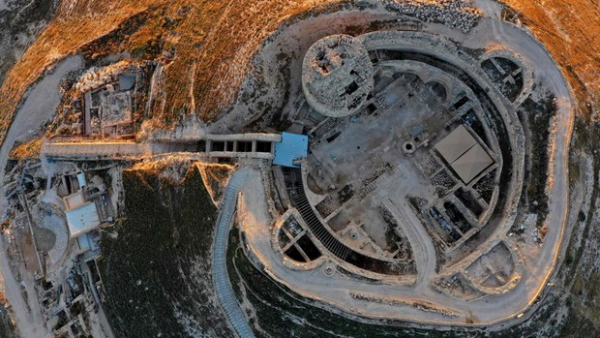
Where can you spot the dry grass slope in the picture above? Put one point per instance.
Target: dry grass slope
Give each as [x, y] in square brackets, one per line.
[213, 42]
[75, 25]
[571, 32]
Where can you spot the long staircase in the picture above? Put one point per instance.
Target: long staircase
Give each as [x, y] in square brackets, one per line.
[221, 279]
[293, 181]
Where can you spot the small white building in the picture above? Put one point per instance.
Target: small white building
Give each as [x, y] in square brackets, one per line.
[82, 219]
[87, 243]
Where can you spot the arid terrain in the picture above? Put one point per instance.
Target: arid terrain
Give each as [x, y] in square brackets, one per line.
[156, 270]
[199, 35]
[222, 37]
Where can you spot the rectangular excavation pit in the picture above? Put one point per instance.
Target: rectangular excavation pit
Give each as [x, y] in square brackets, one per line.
[294, 254]
[327, 206]
[201, 146]
[217, 146]
[244, 146]
[467, 198]
[351, 88]
[457, 217]
[371, 108]
[308, 247]
[448, 234]
[333, 137]
[263, 147]
[461, 102]
[284, 240]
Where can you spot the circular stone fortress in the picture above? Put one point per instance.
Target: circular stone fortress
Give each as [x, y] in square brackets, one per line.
[399, 163]
[406, 190]
[337, 76]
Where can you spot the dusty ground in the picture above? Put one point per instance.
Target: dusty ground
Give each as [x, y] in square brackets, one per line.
[570, 38]
[570, 30]
[144, 28]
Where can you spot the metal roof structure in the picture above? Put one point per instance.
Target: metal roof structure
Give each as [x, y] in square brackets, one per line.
[472, 163]
[292, 147]
[456, 144]
[82, 219]
[464, 154]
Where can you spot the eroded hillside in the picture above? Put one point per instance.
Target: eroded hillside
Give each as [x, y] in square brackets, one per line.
[211, 43]
[570, 30]
[207, 47]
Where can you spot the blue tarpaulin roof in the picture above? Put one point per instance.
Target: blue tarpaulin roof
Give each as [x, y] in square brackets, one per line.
[291, 148]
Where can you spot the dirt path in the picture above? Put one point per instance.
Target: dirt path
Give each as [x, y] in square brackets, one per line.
[420, 241]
